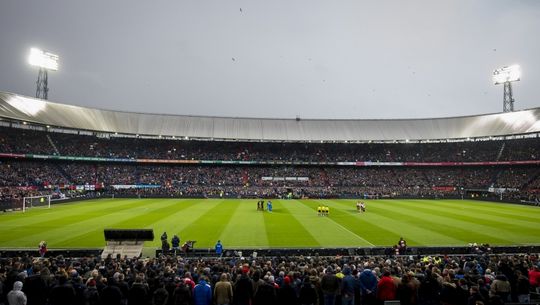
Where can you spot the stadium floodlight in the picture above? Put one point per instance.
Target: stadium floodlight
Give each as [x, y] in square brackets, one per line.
[44, 61]
[507, 75]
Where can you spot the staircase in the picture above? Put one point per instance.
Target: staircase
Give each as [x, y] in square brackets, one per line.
[500, 151]
[56, 151]
[533, 178]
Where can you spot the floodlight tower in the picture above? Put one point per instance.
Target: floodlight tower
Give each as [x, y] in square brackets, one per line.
[507, 75]
[44, 61]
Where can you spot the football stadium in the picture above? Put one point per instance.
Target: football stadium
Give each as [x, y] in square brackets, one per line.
[106, 198]
[72, 172]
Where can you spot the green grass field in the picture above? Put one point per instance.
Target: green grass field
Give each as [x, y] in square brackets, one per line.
[293, 223]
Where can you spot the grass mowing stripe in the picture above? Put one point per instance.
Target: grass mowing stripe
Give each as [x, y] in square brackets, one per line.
[149, 212]
[495, 210]
[417, 230]
[135, 218]
[351, 231]
[186, 211]
[206, 229]
[246, 228]
[56, 235]
[293, 224]
[326, 233]
[53, 213]
[367, 223]
[445, 225]
[481, 224]
[27, 229]
[284, 230]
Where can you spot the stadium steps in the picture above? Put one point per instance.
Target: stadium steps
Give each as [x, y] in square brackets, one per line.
[530, 181]
[57, 152]
[499, 155]
[124, 249]
[64, 173]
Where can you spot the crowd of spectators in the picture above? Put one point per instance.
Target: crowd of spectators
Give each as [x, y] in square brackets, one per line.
[31, 177]
[316, 280]
[266, 181]
[23, 141]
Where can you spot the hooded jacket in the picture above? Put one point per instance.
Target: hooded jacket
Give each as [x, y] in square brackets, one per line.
[16, 296]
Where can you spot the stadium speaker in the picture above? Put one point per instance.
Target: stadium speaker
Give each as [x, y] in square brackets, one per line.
[129, 234]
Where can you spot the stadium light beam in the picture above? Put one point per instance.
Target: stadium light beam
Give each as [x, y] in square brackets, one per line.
[45, 61]
[507, 75]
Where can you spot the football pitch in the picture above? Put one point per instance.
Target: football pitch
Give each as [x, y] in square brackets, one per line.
[292, 224]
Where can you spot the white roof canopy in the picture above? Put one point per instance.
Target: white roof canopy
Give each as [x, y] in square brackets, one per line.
[17, 107]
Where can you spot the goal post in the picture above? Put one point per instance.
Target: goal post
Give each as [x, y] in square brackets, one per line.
[36, 201]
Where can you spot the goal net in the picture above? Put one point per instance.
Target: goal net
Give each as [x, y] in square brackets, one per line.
[36, 201]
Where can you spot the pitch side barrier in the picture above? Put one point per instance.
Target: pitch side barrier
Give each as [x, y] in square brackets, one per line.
[375, 251]
[275, 252]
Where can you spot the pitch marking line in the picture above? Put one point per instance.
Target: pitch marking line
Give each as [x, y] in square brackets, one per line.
[358, 236]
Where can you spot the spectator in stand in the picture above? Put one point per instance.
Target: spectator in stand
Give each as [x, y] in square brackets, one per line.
[243, 292]
[35, 287]
[500, 287]
[386, 288]
[348, 286]
[16, 296]
[62, 293]
[534, 277]
[91, 294]
[286, 295]
[266, 293]
[138, 293]
[368, 287]
[160, 297]
[223, 292]
[183, 293]
[329, 286]
[202, 293]
[475, 297]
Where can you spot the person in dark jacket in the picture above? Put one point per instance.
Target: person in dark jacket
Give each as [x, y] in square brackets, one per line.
[182, 294]
[91, 294]
[368, 287]
[475, 296]
[35, 287]
[308, 293]
[265, 295]
[160, 297]
[405, 291]
[347, 287]
[138, 293]
[286, 295]
[243, 288]
[329, 286]
[111, 295]
[62, 293]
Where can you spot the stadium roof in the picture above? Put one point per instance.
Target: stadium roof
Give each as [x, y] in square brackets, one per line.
[31, 110]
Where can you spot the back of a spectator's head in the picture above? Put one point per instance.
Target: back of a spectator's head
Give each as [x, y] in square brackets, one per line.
[61, 277]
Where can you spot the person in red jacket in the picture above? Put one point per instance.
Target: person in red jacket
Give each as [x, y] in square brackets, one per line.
[386, 288]
[534, 277]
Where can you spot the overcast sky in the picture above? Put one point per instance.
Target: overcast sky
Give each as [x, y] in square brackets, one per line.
[279, 58]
